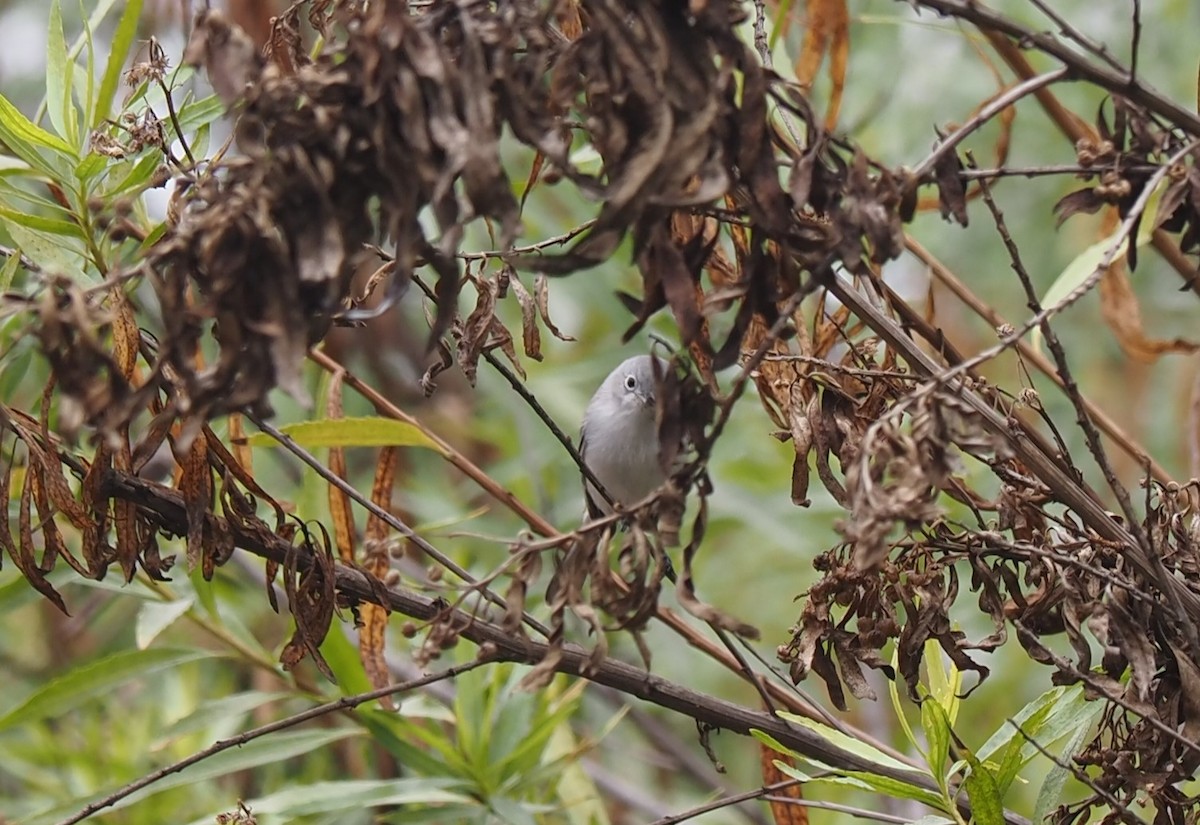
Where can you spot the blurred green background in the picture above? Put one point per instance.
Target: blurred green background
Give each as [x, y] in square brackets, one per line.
[144, 675]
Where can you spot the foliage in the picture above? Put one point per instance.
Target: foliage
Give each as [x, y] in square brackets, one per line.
[382, 161]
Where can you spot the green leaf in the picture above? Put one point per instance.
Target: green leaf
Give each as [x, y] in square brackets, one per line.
[1010, 763]
[202, 112]
[847, 743]
[867, 782]
[393, 733]
[220, 713]
[29, 141]
[50, 252]
[155, 617]
[9, 271]
[944, 683]
[266, 750]
[67, 691]
[1051, 716]
[897, 705]
[122, 41]
[137, 177]
[93, 164]
[1056, 780]
[353, 795]
[59, 76]
[1085, 263]
[371, 431]
[53, 226]
[89, 79]
[986, 805]
[937, 734]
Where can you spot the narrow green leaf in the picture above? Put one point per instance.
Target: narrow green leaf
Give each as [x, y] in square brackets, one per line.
[220, 713]
[1084, 265]
[53, 226]
[155, 617]
[137, 177]
[354, 795]
[202, 112]
[59, 76]
[1056, 780]
[54, 253]
[986, 805]
[897, 704]
[899, 789]
[67, 691]
[937, 735]
[9, 271]
[944, 681]
[28, 141]
[266, 750]
[122, 42]
[371, 431]
[845, 742]
[1009, 763]
[93, 164]
[89, 79]
[868, 782]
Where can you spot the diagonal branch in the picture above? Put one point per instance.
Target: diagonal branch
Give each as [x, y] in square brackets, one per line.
[496, 644]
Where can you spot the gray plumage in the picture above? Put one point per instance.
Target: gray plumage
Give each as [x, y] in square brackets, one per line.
[619, 439]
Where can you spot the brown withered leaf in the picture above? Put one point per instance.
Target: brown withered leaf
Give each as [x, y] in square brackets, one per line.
[827, 33]
[952, 195]
[661, 256]
[541, 291]
[340, 512]
[477, 328]
[782, 812]
[195, 482]
[1122, 310]
[22, 551]
[531, 336]
[372, 633]
[1082, 200]
[312, 598]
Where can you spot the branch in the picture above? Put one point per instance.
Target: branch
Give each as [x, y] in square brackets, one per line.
[498, 645]
[1105, 422]
[985, 114]
[1117, 82]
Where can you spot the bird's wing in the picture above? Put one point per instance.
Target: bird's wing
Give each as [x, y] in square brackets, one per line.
[590, 503]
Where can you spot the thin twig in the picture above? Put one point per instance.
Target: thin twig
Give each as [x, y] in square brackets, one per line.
[1091, 434]
[1079, 37]
[498, 644]
[1049, 169]
[984, 115]
[1117, 805]
[760, 33]
[7, 252]
[1121, 237]
[1099, 455]
[345, 703]
[861, 813]
[1136, 46]
[725, 802]
[1029, 354]
[387, 517]
[1111, 79]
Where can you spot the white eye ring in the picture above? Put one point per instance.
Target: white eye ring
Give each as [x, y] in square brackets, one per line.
[630, 382]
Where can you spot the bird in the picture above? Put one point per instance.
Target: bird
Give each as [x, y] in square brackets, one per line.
[619, 436]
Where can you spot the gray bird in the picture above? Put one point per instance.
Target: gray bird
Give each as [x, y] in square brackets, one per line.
[619, 439]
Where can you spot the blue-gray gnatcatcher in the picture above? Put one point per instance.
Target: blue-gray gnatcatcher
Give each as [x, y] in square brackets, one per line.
[619, 439]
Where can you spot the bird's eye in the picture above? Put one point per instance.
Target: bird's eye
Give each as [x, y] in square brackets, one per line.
[630, 383]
